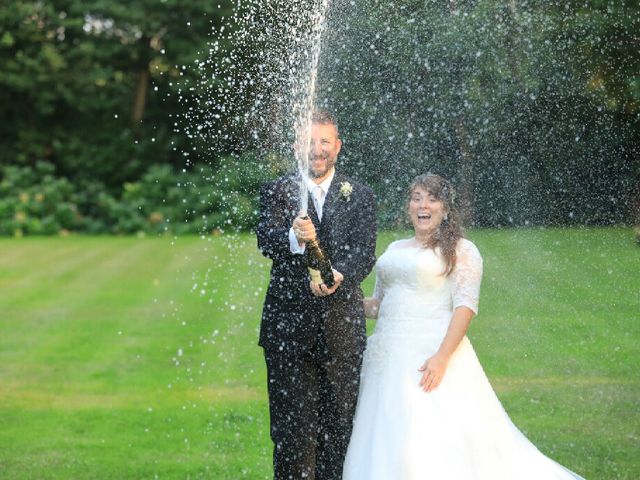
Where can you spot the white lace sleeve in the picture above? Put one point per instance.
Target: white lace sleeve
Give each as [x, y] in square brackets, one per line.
[467, 276]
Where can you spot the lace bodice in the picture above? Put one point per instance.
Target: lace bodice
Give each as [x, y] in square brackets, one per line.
[415, 297]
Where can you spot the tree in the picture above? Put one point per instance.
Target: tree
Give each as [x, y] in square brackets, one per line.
[76, 78]
[496, 95]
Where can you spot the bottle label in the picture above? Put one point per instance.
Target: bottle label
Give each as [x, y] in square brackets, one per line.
[315, 276]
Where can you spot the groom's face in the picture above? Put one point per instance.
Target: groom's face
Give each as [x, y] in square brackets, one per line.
[325, 146]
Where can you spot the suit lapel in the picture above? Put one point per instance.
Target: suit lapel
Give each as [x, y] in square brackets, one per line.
[332, 203]
[332, 200]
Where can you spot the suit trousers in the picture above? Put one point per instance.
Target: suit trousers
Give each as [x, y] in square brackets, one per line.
[312, 400]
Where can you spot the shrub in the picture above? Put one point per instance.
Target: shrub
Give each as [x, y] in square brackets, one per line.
[35, 202]
[203, 199]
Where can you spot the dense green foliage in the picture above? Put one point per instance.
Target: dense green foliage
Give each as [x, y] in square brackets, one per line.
[75, 81]
[138, 358]
[33, 201]
[516, 101]
[532, 107]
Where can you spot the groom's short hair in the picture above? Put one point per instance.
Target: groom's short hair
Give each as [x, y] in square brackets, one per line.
[323, 117]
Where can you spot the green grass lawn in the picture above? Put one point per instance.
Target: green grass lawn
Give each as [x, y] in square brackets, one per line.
[137, 358]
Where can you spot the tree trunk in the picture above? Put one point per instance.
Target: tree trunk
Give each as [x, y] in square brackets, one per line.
[465, 188]
[466, 169]
[140, 101]
[510, 44]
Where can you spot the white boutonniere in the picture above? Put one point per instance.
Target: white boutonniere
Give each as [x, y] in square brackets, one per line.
[345, 190]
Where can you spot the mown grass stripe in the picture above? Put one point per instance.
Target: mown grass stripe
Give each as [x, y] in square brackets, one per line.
[131, 358]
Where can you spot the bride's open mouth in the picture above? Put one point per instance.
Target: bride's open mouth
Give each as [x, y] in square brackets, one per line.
[424, 216]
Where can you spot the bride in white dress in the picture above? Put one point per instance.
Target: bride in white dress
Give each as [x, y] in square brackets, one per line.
[426, 410]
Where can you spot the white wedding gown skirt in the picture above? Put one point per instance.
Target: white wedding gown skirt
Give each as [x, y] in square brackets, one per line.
[458, 431]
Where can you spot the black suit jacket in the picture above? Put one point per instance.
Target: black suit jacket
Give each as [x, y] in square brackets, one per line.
[292, 316]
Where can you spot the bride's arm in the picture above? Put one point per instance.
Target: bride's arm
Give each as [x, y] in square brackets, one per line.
[467, 277]
[455, 333]
[434, 367]
[371, 306]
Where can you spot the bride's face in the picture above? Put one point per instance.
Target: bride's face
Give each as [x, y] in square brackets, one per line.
[425, 211]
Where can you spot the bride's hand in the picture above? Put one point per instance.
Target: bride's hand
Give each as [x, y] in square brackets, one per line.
[371, 307]
[432, 372]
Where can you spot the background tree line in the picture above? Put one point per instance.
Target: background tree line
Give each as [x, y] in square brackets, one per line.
[532, 107]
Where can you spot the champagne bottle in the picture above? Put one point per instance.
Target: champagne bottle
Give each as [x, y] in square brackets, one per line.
[319, 264]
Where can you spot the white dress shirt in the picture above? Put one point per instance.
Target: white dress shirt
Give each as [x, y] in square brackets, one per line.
[318, 194]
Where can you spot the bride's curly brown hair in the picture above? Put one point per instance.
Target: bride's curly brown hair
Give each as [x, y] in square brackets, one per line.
[450, 230]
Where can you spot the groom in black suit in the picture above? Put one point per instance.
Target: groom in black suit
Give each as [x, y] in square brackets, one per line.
[313, 336]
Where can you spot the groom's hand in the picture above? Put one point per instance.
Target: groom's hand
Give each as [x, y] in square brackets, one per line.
[322, 290]
[304, 229]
